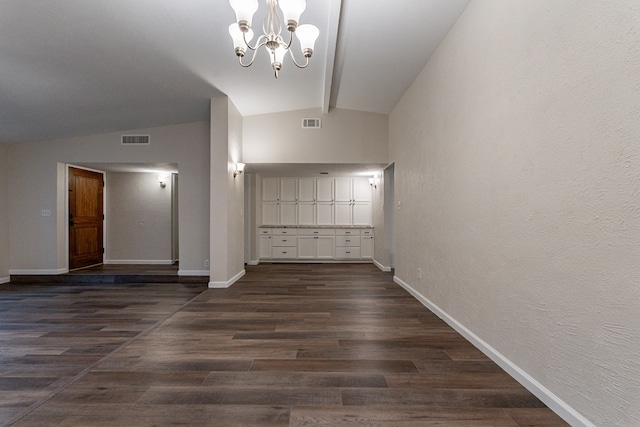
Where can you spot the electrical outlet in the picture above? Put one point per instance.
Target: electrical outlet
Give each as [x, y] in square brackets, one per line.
[419, 273]
[206, 263]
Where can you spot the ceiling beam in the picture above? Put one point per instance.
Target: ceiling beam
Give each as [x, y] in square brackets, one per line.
[332, 40]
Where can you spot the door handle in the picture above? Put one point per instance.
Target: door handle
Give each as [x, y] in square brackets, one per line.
[71, 223]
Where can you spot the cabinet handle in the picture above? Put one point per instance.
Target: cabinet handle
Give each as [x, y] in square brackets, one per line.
[284, 240]
[315, 237]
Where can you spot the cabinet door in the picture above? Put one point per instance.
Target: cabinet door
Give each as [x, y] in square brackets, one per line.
[324, 213]
[270, 213]
[288, 213]
[361, 190]
[324, 190]
[288, 189]
[306, 247]
[325, 247]
[306, 190]
[342, 213]
[361, 213]
[366, 247]
[270, 191]
[307, 213]
[343, 189]
[264, 249]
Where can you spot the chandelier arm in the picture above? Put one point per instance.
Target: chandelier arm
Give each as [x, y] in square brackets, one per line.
[296, 62]
[253, 57]
[258, 44]
[288, 45]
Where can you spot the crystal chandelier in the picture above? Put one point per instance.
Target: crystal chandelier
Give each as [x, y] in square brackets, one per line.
[274, 43]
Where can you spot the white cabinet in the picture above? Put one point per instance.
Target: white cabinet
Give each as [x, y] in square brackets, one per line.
[322, 201]
[366, 246]
[361, 190]
[306, 190]
[324, 213]
[343, 189]
[347, 244]
[361, 213]
[264, 243]
[316, 243]
[306, 213]
[288, 213]
[270, 189]
[324, 189]
[284, 244]
[288, 189]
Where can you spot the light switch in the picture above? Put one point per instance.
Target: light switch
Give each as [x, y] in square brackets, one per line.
[45, 212]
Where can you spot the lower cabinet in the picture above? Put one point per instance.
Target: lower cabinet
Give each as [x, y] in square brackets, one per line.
[315, 244]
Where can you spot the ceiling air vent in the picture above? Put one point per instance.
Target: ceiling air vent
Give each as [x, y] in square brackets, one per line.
[135, 140]
[311, 124]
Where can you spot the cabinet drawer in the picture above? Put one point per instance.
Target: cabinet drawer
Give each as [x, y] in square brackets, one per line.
[348, 241]
[347, 232]
[264, 231]
[316, 232]
[366, 232]
[284, 241]
[347, 253]
[284, 252]
[284, 232]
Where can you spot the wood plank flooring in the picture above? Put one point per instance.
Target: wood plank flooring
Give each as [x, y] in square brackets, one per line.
[288, 345]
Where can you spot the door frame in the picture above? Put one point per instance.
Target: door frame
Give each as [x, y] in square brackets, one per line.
[66, 210]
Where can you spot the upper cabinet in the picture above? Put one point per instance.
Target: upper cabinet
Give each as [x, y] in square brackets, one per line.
[321, 201]
[352, 190]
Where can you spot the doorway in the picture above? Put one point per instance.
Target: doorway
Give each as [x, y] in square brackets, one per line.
[86, 217]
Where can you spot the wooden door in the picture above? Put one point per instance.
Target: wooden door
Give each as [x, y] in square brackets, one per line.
[85, 218]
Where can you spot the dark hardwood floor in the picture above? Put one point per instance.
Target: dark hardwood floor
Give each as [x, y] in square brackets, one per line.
[288, 345]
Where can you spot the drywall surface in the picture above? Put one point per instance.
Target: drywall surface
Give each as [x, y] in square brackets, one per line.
[227, 194]
[36, 242]
[346, 136]
[517, 170]
[4, 223]
[138, 219]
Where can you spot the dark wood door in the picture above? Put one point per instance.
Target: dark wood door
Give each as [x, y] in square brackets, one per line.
[85, 218]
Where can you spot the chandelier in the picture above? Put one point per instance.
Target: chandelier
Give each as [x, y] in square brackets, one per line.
[271, 39]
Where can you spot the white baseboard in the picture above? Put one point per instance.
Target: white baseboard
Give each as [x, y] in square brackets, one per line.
[556, 404]
[256, 262]
[222, 285]
[4, 280]
[193, 272]
[382, 267]
[139, 261]
[38, 272]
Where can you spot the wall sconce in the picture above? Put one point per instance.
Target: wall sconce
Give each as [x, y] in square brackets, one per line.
[162, 179]
[372, 182]
[239, 169]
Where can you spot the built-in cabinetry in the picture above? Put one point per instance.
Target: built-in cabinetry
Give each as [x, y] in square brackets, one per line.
[307, 243]
[316, 201]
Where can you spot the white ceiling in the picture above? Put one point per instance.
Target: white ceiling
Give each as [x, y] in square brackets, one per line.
[80, 67]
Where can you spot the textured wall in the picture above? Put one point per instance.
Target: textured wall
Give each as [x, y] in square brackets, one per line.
[138, 219]
[37, 243]
[518, 172]
[346, 136]
[4, 220]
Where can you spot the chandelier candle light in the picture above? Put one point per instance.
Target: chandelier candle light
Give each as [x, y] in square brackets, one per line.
[242, 34]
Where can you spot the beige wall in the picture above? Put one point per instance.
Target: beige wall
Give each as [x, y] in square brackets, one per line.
[227, 195]
[138, 219]
[38, 243]
[4, 225]
[518, 171]
[346, 136]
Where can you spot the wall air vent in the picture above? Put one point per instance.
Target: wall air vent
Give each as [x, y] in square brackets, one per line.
[311, 124]
[135, 140]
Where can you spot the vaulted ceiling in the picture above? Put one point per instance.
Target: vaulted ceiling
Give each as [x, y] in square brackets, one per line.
[80, 67]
